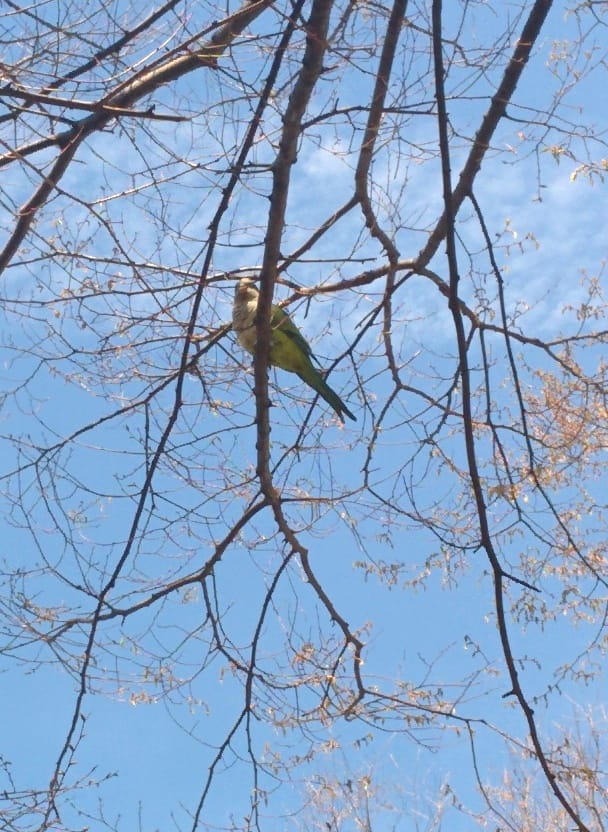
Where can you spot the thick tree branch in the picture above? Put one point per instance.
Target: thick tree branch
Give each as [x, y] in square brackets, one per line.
[450, 208]
[495, 113]
[312, 66]
[124, 97]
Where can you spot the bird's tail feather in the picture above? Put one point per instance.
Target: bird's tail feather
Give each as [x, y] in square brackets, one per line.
[318, 383]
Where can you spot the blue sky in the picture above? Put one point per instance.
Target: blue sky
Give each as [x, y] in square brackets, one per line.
[160, 699]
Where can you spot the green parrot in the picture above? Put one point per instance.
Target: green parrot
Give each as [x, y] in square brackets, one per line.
[289, 350]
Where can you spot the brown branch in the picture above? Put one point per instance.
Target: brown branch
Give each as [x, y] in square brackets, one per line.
[376, 111]
[312, 65]
[223, 748]
[112, 49]
[508, 336]
[28, 212]
[310, 71]
[450, 208]
[495, 113]
[169, 588]
[323, 228]
[90, 106]
[124, 98]
[334, 615]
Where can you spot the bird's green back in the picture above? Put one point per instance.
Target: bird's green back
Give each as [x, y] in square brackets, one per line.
[280, 322]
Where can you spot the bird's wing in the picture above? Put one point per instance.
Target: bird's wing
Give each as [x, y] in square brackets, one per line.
[279, 319]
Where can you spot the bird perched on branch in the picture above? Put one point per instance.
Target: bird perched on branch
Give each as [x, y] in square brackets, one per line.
[289, 350]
